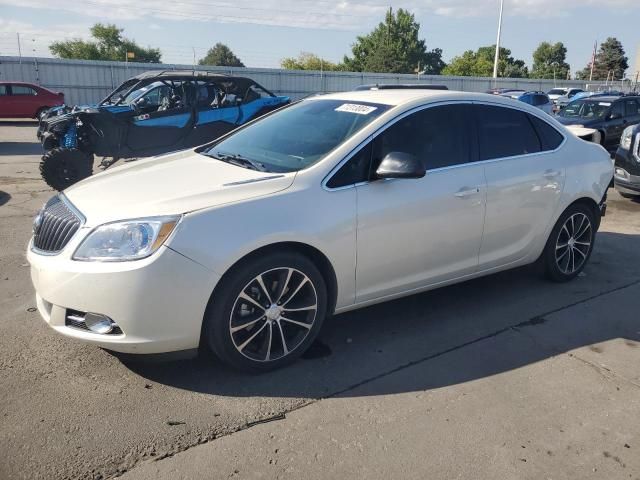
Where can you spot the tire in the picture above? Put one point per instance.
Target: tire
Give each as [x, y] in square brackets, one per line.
[570, 244]
[249, 337]
[62, 167]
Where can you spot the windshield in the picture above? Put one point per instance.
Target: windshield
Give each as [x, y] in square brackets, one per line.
[585, 109]
[557, 91]
[298, 136]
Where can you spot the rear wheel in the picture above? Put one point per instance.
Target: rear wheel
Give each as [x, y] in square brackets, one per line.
[62, 167]
[267, 312]
[570, 244]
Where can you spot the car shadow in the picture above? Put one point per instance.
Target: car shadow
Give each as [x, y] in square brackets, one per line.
[4, 197]
[20, 148]
[18, 123]
[455, 322]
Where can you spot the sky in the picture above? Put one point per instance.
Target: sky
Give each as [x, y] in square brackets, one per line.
[263, 32]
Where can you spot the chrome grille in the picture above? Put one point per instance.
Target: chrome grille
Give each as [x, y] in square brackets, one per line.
[56, 224]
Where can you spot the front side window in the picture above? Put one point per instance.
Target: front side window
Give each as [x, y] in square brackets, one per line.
[22, 90]
[3, 89]
[618, 110]
[298, 136]
[504, 132]
[439, 136]
[355, 170]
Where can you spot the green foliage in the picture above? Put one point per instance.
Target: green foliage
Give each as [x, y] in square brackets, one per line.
[308, 61]
[221, 55]
[610, 58]
[480, 64]
[549, 58]
[394, 47]
[108, 44]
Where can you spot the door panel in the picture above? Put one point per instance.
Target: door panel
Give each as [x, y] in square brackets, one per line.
[523, 188]
[417, 232]
[412, 233]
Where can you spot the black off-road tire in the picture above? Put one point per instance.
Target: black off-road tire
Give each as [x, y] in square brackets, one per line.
[220, 315]
[62, 167]
[553, 268]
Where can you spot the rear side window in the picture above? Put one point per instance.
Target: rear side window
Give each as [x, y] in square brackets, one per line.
[632, 107]
[541, 100]
[550, 138]
[3, 89]
[504, 132]
[439, 136]
[22, 90]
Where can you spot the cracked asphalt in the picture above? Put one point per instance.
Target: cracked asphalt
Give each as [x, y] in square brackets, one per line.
[508, 376]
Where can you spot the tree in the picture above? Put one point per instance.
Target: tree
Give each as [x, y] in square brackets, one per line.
[308, 61]
[108, 44]
[549, 61]
[394, 47]
[480, 64]
[222, 56]
[610, 58]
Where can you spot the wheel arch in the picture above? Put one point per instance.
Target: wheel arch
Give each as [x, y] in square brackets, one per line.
[320, 260]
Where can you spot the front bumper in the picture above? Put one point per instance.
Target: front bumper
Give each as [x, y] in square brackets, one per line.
[158, 302]
[625, 182]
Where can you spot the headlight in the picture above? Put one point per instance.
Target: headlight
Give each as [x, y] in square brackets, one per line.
[625, 140]
[126, 240]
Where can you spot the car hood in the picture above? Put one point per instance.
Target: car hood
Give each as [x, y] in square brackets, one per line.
[170, 184]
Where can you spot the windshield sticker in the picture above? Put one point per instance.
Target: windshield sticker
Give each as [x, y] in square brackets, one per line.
[355, 108]
[604, 104]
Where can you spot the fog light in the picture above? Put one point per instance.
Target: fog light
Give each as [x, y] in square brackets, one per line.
[98, 323]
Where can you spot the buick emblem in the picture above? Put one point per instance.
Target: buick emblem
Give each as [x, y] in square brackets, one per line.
[37, 223]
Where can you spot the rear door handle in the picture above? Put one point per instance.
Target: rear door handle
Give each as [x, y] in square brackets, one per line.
[467, 192]
[551, 173]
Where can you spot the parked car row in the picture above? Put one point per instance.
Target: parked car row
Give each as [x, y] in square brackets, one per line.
[25, 100]
[246, 244]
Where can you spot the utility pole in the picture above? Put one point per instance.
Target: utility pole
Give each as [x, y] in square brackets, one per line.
[593, 60]
[19, 47]
[495, 62]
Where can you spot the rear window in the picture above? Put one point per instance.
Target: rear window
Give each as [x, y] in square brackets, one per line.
[505, 132]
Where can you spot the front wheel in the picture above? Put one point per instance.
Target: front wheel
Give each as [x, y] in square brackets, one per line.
[62, 167]
[570, 244]
[266, 312]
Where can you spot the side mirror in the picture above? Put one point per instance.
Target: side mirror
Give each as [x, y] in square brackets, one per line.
[141, 102]
[400, 165]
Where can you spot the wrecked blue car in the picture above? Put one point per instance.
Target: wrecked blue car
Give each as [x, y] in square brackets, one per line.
[150, 114]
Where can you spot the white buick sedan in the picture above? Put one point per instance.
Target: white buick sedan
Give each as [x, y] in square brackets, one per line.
[340, 201]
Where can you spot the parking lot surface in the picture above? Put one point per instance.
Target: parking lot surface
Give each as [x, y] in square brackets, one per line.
[507, 376]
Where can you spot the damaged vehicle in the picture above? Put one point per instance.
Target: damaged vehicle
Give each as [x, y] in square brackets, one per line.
[150, 114]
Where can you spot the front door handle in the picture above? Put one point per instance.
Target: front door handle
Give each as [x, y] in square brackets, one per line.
[551, 174]
[467, 192]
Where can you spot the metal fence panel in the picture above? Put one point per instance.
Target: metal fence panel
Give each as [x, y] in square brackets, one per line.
[86, 81]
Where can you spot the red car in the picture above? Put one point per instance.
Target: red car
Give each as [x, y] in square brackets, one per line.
[26, 100]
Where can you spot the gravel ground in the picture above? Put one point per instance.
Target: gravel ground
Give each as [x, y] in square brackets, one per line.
[68, 410]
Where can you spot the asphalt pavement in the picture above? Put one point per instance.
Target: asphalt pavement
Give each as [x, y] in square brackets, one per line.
[507, 376]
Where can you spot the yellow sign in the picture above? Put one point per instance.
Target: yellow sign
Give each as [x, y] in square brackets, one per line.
[131, 55]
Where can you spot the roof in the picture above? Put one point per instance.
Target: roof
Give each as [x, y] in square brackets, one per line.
[602, 98]
[402, 97]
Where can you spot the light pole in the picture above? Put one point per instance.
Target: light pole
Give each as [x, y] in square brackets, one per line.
[554, 65]
[495, 62]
